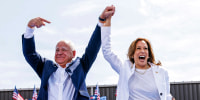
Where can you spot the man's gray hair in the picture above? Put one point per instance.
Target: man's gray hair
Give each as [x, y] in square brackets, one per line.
[70, 43]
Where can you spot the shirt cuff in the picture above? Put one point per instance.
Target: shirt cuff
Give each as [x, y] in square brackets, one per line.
[29, 33]
[100, 24]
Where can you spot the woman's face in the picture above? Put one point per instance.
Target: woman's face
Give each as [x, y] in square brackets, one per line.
[141, 54]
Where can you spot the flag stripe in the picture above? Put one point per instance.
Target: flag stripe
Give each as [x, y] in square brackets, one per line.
[16, 95]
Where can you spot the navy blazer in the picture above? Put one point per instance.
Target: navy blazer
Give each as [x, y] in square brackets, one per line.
[77, 70]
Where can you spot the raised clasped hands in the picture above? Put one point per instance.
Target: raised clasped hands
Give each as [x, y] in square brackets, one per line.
[37, 22]
[108, 12]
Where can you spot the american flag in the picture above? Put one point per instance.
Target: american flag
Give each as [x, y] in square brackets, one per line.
[97, 92]
[116, 92]
[34, 97]
[16, 95]
[94, 97]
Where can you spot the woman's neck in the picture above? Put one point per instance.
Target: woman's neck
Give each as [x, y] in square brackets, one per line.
[142, 67]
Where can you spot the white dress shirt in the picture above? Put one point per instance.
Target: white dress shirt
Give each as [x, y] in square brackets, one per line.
[60, 86]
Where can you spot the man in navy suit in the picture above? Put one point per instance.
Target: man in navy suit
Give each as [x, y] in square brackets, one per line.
[63, 79]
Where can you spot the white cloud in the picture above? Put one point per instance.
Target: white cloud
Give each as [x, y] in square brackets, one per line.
[110, 80]
[79, 8]
[164, 2]
[81, 30]
[48, 30]
[144, 8]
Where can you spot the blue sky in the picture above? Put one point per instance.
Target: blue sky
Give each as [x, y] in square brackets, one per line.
[172, 26]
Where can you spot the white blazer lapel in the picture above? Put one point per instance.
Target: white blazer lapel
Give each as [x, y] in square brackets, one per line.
[158, 76]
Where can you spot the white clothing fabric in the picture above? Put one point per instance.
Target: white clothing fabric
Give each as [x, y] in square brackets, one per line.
[143, 86]
[29, 33]
[126, 72]
[60, 85]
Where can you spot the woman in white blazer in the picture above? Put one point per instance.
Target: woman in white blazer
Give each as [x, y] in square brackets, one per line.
[140, 77]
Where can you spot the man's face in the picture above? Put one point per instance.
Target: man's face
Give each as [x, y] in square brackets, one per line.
[63, 54]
